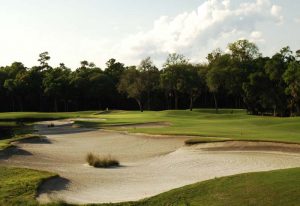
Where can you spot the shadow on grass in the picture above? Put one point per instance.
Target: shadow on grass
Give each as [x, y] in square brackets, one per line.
[13, 151]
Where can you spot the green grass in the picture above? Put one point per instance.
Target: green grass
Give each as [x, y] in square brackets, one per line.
[39, 116]
[19, 186]
[6, 143]
[282, 187]
[230, 124]
[275, 188]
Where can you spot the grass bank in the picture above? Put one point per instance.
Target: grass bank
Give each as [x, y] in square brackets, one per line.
[275, 188]
[19, 186]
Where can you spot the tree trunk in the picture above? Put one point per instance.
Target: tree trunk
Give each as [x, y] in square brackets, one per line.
[99, 104]
[216, 102]
[13, 103]
[140, 105]
[20, 103]
[55, 105]
[65, 105]
[41, 101]
[176, 100]
[148, 100]
[191, 103]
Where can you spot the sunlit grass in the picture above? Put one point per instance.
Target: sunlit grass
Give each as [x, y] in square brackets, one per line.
[19, 186]
[232, 124]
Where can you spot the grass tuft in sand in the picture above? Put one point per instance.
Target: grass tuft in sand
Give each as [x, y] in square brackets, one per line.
[101, 161]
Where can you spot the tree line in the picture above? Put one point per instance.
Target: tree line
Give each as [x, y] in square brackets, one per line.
[239, 78]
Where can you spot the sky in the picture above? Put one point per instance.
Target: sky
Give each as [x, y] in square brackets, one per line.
[131, 30]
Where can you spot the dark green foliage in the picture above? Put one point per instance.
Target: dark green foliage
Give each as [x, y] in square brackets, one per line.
[240, 78]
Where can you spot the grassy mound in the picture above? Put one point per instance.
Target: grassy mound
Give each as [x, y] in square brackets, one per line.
[275, 188]
[19, 186]
[101, 161]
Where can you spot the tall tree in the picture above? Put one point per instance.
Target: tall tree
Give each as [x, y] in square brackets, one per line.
[216, 75]
[292, 79]
[243, 50]
[150, 75]
[43, 59]
[56, 85]
[15, 84]
[132, 84]
[171, 76]
[175, 59]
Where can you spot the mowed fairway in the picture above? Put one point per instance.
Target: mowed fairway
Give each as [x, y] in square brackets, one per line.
[233, 124]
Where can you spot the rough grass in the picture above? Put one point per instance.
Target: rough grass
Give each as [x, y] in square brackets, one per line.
[19, 186]
[229, 124]
[101, 161]
[274, 188]
[5, 143]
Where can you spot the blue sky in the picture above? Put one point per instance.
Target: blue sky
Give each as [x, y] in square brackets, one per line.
[130, 30]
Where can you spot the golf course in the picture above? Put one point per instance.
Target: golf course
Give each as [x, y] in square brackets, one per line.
[165, 158]
[150, 103]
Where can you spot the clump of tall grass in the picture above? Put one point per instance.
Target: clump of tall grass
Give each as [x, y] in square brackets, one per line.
[51, 125]
[101, 161]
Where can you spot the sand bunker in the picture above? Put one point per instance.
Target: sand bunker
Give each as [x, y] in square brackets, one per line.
[149, 165]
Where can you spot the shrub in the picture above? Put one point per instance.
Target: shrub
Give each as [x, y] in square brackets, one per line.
[101, 161]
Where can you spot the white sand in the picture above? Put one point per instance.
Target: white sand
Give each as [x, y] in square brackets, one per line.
[150, 165]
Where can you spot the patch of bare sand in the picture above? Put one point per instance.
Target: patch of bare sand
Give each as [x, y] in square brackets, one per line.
[149, 165]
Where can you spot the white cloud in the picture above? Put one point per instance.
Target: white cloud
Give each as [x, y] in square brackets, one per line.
[276, 12]
[257, 36]
[214, 24]
[297, 20]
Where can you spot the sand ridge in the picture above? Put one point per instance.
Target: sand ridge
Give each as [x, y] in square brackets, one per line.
[149, 165]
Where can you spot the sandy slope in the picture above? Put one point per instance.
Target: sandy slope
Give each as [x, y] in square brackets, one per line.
[150, 165]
